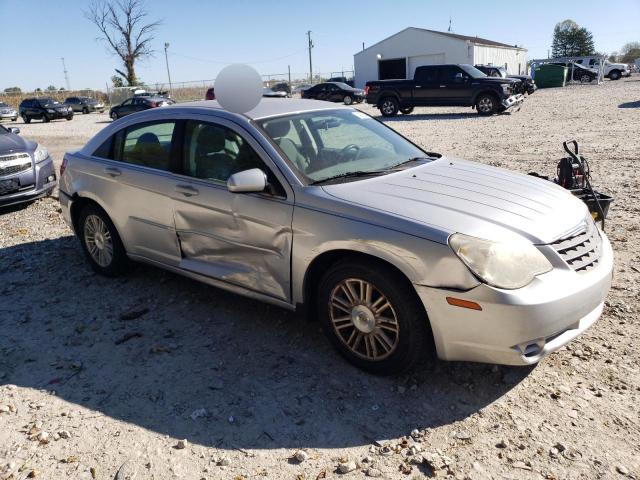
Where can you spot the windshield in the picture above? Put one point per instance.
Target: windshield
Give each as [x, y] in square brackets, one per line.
[472, 71]
[2, 104]
[3, 130]
[322, 145]
[47, 101]
[342, 85]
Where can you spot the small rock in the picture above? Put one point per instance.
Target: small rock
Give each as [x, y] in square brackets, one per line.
[33, 474]
[502, 444]
[521, 465]
[573, 413]
[4, 409]
[622, 470]
[133, 312]
[182, 444]
[373, 472]
[401, 389]
[367, 459]
[64, 434]
[200, 412]
[463, 435]
[43, 437]
[223, 462]
[301, 456]
[347, 467]
[415, 433]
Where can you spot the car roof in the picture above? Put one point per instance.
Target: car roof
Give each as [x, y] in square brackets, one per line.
[268, 107]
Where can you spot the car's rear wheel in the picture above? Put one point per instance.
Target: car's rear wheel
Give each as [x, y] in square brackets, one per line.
[26, 119]
[486, 104]
[45, 118]
[85, 110]
[584, 78]
[406, 110]
[372, 317]
[101, 242]
[114, 116]
[615, 75]
[389, 107]
[348, 99]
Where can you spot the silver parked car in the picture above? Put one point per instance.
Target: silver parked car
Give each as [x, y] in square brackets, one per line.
[7, 112]
[302, 203]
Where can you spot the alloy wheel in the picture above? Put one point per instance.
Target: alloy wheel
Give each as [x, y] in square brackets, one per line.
[387, 107]
[97, 239]
[348, 100]
[485, 105]
[364, 319]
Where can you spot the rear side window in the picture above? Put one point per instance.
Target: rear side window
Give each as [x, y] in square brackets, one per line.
[149, 145]
[426, 75]
[104, 150]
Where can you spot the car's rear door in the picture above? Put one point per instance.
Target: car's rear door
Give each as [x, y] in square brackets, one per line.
[132, 179]
[242, 239]
[426, 88]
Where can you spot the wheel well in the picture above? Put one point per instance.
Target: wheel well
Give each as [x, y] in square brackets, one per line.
[485, 92]
[77, 206]
[322, 263]
[388, 95]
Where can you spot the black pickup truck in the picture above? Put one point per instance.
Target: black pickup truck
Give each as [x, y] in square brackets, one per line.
[444, 85]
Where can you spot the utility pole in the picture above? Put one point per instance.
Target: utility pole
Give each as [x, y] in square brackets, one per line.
[66, 74]
[289, 70]
[166, 59]
[310, 64]
[362, 45]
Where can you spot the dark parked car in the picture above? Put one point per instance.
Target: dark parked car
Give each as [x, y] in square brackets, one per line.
[45, 109]
[282, 87]
[85, 104]
[138, 104]
[270, 93]
[527, 84]
[210, 95]
[342, 80]
[444, 85]
[7, 112]
[26, 169]
[334, 92]
[580, 73]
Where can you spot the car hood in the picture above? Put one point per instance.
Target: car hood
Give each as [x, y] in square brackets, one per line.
[495, 80]
[450, 195]
[10, 143]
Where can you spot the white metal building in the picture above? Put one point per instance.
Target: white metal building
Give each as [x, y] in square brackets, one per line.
[398, 55]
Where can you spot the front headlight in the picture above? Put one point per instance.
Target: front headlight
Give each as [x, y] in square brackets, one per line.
[50, 110]
[40, 154]
[506, 88]
[502, 265]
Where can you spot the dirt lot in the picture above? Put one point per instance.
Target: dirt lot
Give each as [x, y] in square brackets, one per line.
[85, 393]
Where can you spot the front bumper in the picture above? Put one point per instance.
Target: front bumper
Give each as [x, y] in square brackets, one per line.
[34, 183]
[514, 101]
[519, 327]
[58, 114]
[11, 115]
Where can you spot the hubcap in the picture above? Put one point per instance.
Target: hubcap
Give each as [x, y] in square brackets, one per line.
[387, 107]
[364, 319]
[98, 240]
[585, 78]
[485, 104]
[347, 100]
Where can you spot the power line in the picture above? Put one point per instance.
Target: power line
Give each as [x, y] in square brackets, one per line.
[220, 62]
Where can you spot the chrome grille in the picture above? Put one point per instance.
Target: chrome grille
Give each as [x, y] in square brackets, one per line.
[15, 156]
[4, 171]
[582, 248]
[14, 163]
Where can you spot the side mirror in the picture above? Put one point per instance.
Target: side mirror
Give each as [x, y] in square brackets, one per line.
[459, 78]
[14, 130]
[247, 181]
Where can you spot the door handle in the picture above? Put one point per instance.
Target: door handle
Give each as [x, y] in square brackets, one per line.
[443, 86]
[186, 190]
[112, 171]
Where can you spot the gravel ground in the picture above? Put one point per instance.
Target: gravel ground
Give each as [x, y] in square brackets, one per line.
[100, 376]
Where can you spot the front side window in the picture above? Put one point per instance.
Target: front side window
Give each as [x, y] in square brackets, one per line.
[321, 145]
[149, 145]
[214, 152]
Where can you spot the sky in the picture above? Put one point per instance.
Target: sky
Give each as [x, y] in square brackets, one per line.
[204, 36]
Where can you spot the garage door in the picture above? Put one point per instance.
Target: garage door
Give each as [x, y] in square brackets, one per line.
[392, 69]
[419, 60]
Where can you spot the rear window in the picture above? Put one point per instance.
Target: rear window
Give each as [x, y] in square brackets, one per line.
[149, 145]
[104, 150]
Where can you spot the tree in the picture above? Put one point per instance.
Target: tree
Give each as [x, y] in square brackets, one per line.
[10, 90]
[629, 52]
[571, 40]
[51, 88]
[117, 81]
[38, 89]
[124, 29]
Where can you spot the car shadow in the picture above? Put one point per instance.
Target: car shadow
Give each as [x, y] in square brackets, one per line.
[412, 117]
[635, 104]
[198, 363]
[16, 207]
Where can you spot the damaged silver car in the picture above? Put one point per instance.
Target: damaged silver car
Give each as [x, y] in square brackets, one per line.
[397, 251]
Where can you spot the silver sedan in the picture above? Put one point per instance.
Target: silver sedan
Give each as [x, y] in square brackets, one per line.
[398, 252]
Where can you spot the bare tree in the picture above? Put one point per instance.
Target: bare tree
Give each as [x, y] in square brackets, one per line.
[125, 30]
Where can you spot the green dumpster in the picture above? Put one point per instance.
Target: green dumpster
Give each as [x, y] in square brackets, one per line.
[547, 76]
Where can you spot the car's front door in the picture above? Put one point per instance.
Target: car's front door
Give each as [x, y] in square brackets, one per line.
[125, 107]
[240, 238]
[455, 85]
[321, 92]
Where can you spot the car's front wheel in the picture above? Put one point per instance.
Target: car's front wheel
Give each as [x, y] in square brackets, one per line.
[26, 119]
[586, 78]
[114, 116]
[45, 118]
[70, 117]
[486, 104]
[348, 99]
[101, 242]
[373, 317]
[614, 75]
[85, 110]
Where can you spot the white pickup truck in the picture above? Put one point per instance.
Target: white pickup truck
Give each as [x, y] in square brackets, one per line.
[613, 71]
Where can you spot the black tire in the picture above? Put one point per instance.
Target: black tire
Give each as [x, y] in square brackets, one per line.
[586, 78]
[406, 110]
[26, 119]
[14, 119]
[119, 260]
[487, 104]
[85, 110]
[348, 99]
[615, 75]
[69, 117]
[389, 107]
[411, 343]
[45, 119]
[114, 116]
